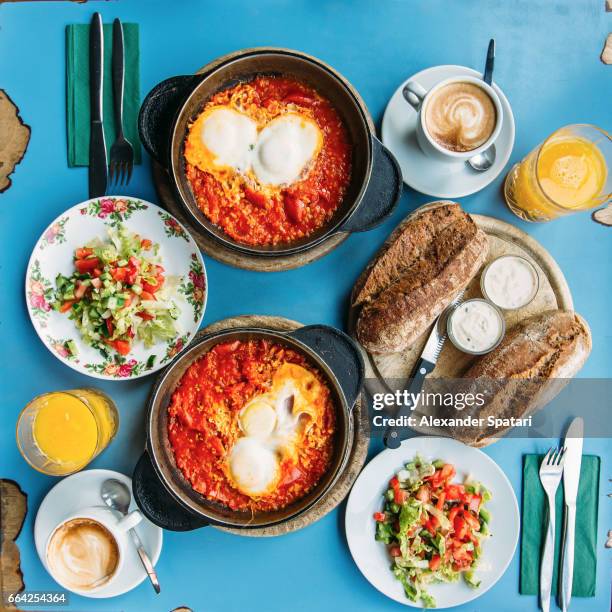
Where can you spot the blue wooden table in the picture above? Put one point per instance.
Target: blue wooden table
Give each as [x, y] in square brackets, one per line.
[548, 65]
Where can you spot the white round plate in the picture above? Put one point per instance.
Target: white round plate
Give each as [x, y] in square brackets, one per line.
[53, 254]
[430, 176]
[366, 498]
[80, 491]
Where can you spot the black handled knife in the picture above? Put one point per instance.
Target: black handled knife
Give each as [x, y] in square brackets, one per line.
[424, 366]
[98, 171]
[488, 73]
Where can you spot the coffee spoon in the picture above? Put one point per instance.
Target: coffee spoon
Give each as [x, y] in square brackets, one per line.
[117, 496]
[483, 161]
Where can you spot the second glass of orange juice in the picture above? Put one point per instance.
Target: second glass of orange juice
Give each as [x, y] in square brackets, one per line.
[567, 173]
[59, 433]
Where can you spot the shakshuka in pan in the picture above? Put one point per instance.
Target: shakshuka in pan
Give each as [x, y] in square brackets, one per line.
[251, 425]
[268, 160]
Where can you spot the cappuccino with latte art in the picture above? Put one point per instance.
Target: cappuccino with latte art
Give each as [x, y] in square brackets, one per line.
[460, 116]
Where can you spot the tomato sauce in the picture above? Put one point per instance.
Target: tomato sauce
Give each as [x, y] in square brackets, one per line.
[203, 423]
[256, 214]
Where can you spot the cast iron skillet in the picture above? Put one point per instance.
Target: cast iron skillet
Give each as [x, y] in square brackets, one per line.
[376, 179]
[161, 491]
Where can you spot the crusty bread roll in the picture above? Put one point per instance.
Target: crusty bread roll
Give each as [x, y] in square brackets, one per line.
[424, 264]
[528, 369]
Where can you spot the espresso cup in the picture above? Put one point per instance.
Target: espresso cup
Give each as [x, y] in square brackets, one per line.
[85, 553]
[419, 98]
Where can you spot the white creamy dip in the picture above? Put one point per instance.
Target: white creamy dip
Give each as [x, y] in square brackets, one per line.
[510, 282]
[475, 326]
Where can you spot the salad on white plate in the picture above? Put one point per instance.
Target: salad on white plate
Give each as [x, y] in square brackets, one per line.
[432, 523]
[116, 287]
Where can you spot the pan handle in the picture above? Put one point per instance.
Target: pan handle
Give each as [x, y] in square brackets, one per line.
[382, 193]
[156, 503]
[158, 112]
[340, 353]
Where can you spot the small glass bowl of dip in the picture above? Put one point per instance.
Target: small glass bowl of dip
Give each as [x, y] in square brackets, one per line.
[476, 326]
[510, 282]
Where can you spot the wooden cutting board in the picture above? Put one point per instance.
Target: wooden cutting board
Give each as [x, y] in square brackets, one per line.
[390, 371]
[13, 509]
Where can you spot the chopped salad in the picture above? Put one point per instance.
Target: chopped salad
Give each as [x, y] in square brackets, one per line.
[118, 293]
[434, 528]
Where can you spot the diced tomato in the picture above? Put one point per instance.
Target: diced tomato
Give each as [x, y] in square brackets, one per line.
[146, 244]
[83, 253]
[145, 315]
[96, 282]
[80, 290]
[473, 502]
[434, 563]
[380, 517]
[110, 328]
[471, 520]
[453, 513]
[145, 295]
[86, 265]
[399, 495]
[255, 197]
[96, 272]
[294, 208]
[395, 551]
[423, 494]
[127, 302]
[150, 288]
[130, 333]
[66, 306]
[430, 527]
[434, 521]
[119, 274]
[159, 269]
[461, 554]
[441, 499]
[454, 492]
[121, 346]
[447, 472]
[461, 527]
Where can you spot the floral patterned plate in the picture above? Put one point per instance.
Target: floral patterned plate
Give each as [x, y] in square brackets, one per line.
[53, 254]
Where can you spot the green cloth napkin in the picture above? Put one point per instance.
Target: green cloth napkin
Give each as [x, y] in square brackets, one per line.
[535, 521]
[77, 69]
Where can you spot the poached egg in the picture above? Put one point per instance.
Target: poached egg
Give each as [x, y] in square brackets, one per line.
[223, 140]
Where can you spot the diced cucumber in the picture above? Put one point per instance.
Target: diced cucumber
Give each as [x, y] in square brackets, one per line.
[72, 348]
[390, 495]
[485, 515]
[438, 464]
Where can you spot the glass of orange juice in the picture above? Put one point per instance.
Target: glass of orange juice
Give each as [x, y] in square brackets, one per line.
[59, 433]
[567, 173]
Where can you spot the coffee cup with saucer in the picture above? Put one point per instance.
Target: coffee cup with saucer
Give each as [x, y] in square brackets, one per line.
[86, 551]
[82, 490]
[426, 165]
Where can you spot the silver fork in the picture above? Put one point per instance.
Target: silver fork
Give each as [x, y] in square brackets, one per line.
[122, 152]
[551, 470]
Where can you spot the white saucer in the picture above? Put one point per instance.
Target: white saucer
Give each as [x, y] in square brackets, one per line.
[439, 179]
[82, 490]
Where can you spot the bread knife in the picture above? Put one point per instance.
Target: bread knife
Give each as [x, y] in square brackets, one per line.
[98, 171]
[571, 478]
[424, 365]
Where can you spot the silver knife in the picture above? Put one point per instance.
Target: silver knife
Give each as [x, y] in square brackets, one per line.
[424, 365]
[98, 172]
[571, 478]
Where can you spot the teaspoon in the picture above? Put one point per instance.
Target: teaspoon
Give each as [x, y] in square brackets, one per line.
[117, 496]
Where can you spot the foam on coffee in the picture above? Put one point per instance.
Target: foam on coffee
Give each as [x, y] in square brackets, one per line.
[82, 554]
[460, 116]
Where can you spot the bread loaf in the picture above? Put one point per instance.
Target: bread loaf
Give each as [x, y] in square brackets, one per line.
[424, 264]
[528, 369]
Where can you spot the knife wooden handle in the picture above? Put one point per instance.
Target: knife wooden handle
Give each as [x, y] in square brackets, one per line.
[566, 578]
